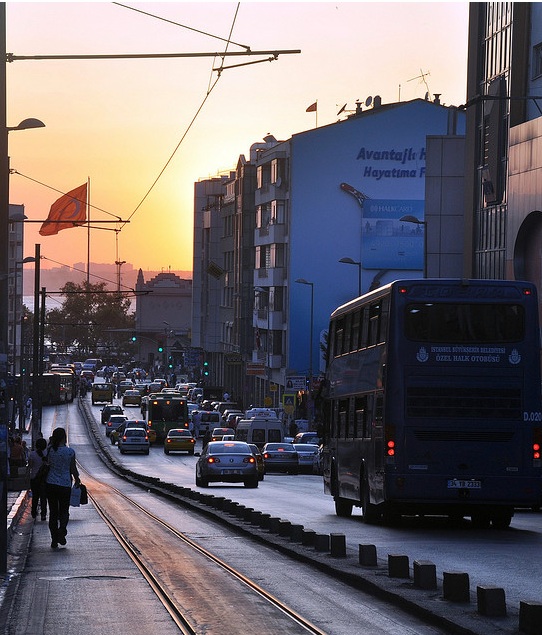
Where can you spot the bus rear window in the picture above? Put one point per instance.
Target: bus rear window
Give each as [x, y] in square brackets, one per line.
[461, 323]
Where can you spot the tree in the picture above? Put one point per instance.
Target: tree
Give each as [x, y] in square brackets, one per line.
[92, 319]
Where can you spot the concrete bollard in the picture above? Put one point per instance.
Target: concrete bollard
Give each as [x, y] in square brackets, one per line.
[296, 533]
[307, 537]
[255, 517]
[338, 545]
[321, 542]
[367, 555]
[456, 586]
[425, 574]
[491, 601]
[247, 512]
[398, 566]
[264, 521]
[284, 527]
[274, 523]
[530, 618]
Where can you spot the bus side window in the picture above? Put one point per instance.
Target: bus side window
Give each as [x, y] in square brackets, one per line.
[347, 348]
[362, 430]
[374, 324]
[343, 419]
[356, 331]
[339, 331]
[365, 328]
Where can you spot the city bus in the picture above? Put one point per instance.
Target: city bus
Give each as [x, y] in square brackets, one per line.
[165, 412]
[432, 402]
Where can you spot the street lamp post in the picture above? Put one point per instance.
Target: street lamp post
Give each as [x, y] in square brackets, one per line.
[416, 221]
[348, 261]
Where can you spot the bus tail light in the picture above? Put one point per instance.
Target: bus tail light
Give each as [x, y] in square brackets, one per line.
[537, 446]
[390, 443]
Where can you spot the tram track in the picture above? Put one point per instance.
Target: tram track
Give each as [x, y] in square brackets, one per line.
[201, 592]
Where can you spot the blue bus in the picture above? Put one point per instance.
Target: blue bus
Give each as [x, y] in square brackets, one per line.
[432, 401]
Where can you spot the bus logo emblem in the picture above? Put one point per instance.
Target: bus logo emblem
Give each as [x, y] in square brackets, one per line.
[422, 355]
[514, 357]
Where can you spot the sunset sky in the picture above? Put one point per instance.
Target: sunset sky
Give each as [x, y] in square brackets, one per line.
[118, 122]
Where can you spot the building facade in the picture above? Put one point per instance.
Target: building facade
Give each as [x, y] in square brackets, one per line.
[331, 196]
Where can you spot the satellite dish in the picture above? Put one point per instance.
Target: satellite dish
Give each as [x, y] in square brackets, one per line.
[368, 101]
[341, 110]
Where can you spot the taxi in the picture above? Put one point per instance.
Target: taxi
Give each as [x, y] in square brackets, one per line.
[179, 440]
[102, 392]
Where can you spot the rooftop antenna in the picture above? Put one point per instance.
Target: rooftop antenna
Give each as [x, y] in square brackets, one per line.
[422, 77]
[344, 109]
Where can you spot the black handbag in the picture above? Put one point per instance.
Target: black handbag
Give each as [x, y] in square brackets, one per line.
[84, 494]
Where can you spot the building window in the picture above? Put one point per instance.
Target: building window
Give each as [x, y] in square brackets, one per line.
[537, 60]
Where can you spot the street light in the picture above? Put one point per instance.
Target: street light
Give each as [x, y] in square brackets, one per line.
[416, 221]
[349, 261]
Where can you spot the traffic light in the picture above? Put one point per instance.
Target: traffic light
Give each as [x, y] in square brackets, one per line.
[206, 369]
[134, 337]
[160, 349]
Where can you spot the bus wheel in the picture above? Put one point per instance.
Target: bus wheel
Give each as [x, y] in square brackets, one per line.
[501, 519]
[371, 515]
[343, 507]
[480, 519]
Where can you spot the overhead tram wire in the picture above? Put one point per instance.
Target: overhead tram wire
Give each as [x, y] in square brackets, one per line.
[189, 28]
[210, 89]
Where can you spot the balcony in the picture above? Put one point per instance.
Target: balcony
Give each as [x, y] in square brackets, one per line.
[271, 233]
[273, 277]
[270, 192]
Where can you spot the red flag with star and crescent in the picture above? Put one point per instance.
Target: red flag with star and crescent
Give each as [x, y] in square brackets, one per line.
[67, 211]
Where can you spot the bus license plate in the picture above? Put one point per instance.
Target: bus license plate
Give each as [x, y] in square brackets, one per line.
[456, 483]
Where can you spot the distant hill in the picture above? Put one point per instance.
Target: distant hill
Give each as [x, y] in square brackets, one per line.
[55, 278]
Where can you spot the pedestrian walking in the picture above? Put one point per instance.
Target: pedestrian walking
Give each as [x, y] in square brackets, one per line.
[28, 407]
[35, 461]
[62, 468]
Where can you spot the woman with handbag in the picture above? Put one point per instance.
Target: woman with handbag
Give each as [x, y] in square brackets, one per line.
[62, 468]
[37, 462]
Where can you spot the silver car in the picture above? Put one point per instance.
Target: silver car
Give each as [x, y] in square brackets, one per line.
[134, 440]
[227, 462]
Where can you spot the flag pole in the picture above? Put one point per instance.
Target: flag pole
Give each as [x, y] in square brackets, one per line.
[88, 230]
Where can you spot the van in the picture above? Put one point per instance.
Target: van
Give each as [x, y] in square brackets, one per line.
[102, 392]
[209, 420]
[259, 431]
[262, 413]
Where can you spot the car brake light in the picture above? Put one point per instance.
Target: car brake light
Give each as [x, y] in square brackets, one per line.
[213, 459]
[266, 456]
[249, 459]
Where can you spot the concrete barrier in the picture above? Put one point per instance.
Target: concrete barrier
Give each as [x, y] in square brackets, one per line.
[367, 555]
[296, 533]
[338, 545]
[321, 542]
[456, 586]
[530, 618]
[425, 574]
[491, 601]
[398, 566]
[307, 538]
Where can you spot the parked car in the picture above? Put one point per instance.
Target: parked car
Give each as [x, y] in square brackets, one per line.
[306, 454]
[280, 457]
[307, 437]
[113, 409]
[131, 397]
[179, 440]
[259, 460]
[113, 423]
[218, 433]
[228, 462]
[134, 440]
